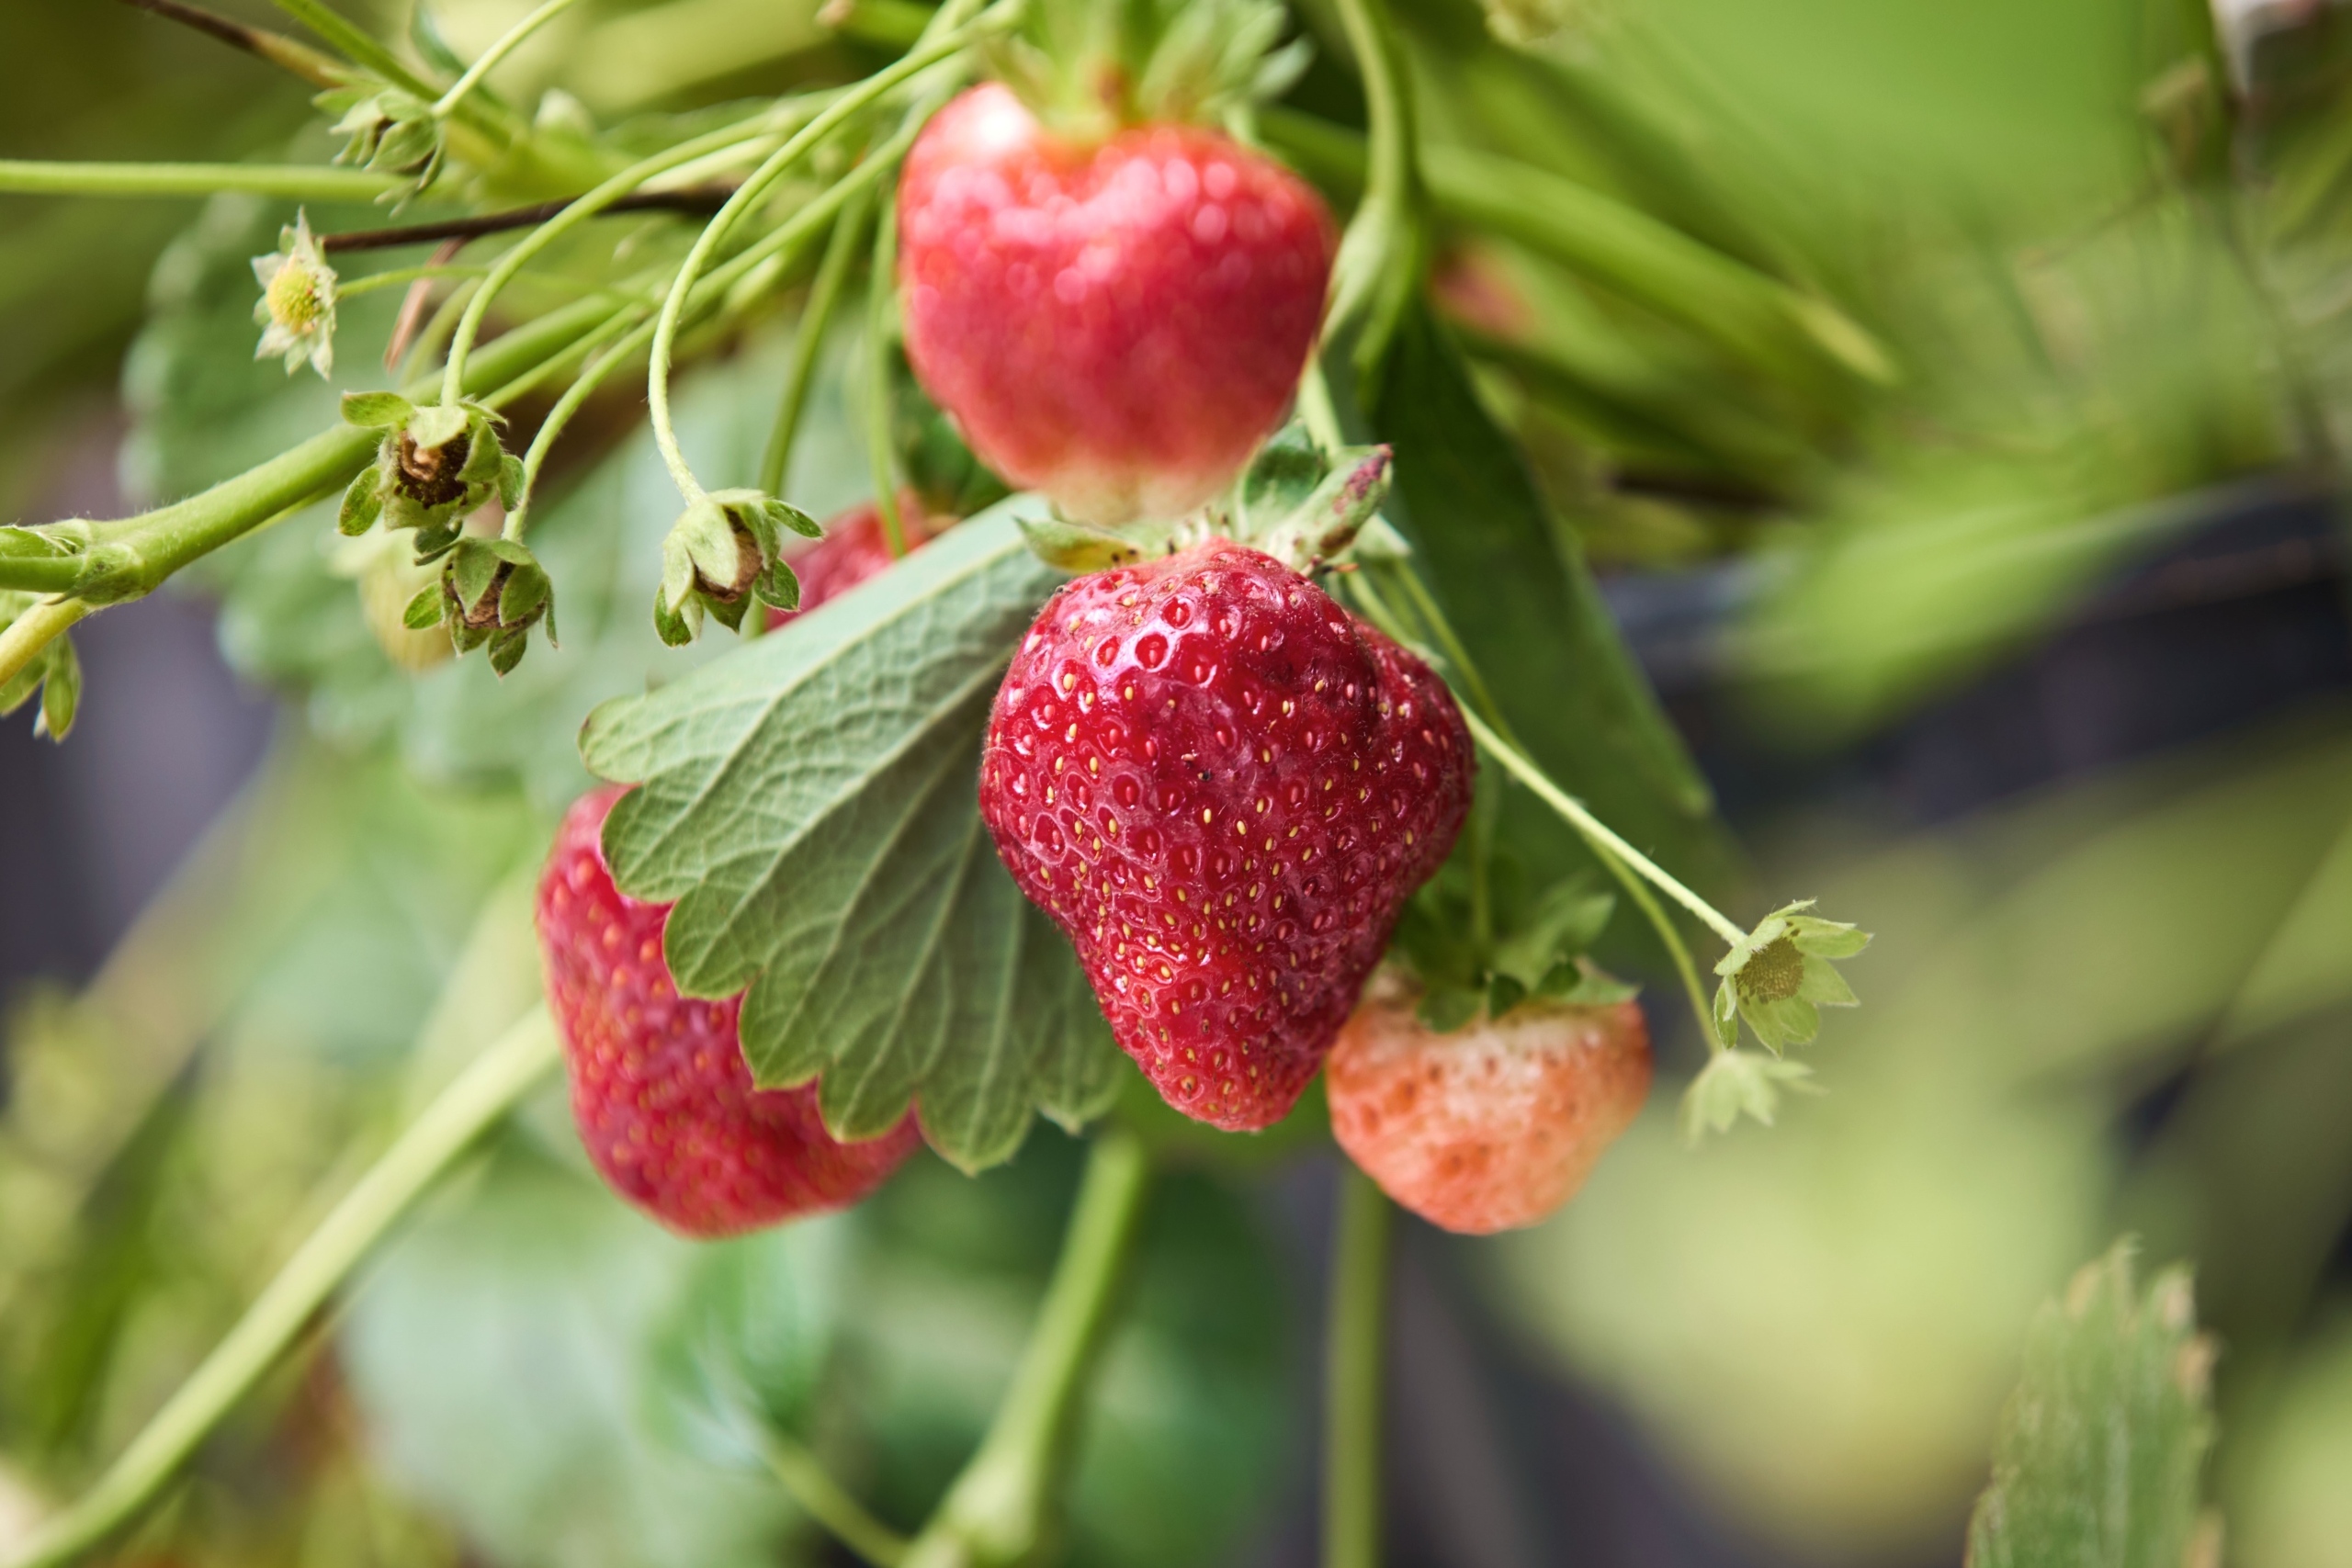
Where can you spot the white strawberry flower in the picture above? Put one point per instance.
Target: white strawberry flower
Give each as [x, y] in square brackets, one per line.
[296, 311]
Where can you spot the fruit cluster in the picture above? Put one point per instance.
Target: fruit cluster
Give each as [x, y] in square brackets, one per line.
[1218, 783]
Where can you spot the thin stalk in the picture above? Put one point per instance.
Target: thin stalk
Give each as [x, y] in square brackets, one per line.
[1364, 588]
[319, 69]
[506, 44]
[583, 386]
[825, 1500]
[809, 342]
[454, 372]
[997, 1512]
[800, 226]
[432, 1144]
[1317, 407]
[699, 198]
[26, 635]
[355, 45]
[1596, 831]
[41, 574]
[1355, 1341]
[879, 298]
[779, 163]
[1373, 273]
[293, 181]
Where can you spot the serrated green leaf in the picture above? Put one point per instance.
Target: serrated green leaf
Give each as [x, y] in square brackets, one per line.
[809, 805]
[2103, 1444]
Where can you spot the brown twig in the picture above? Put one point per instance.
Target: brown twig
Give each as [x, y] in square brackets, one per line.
[412, 307]
[699, 198]
[312, 65]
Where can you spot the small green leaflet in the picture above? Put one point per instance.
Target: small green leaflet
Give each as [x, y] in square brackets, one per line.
[2102, 1446]
[809, 803]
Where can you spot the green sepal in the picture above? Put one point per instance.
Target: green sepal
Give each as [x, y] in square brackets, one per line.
[61, 690]
[1503, 993]
[1078, 547]
[423, 612]
[1300, 504]
[679, 626]
[376, 411]
[363, 503]
[436, 425]
[1738, 1083]
[510, 481]
[1445, 1009]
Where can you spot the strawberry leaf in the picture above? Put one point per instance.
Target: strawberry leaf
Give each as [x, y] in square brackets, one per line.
[2103, 1443]
[810, 804]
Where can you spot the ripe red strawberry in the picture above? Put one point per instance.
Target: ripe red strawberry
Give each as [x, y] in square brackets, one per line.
[1118, 325]
[659, 1086]
[1495, 1125]
[853, 549]
[1222, 788]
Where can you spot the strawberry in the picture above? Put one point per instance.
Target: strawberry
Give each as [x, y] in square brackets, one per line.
[1495, 1125]
[660, 1089]
[853, 549]
[1117, 323]
[1222, 788]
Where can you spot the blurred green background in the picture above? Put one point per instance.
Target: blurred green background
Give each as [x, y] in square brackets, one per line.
[2027, 650]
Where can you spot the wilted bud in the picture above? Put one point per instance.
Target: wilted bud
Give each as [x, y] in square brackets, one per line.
[490, 593]
[726, 551]
[434, 468]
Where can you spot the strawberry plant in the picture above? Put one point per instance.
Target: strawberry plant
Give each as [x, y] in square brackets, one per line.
[1195, 721]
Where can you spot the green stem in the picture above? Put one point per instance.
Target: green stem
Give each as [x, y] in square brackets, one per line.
[25, 636]
[355, 45]
[453, 375]
[880, 299]
[40, 574]
[797, 147]
[433, 1143]
[1316, 407]
[583, 386]
[1354, 1346]
[808, 343]
[505, 45]
[1363, 588]
[825, 1500]
[997, 1513]
[1375, 264]
[293, 182]
[1596, 831]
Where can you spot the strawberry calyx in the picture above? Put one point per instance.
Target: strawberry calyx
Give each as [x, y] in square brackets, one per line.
[1482, 952]
[1305, 507]
[1089, 69]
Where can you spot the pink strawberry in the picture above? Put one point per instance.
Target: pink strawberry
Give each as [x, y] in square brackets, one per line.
[1118, 325]
[1495, 1125]
[1222, 788]
[853, 549]
[659, 1086]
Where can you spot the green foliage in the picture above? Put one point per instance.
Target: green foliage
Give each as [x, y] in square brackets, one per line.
[2103, 1443]
[1518, 591]
[809, 805]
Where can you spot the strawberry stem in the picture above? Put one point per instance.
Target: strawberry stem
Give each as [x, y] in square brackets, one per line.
[824, 1499]
[996, 1512]
[498, 1078]
[953, 32]
[1354, 1340]
[808, 341]
[879, 298]
[506, 44]
[290, 182]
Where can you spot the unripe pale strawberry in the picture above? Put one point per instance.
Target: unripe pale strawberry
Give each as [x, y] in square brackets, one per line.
[1118, 324]
[660, 1089]
[1223, 787]
[1495, 1125]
